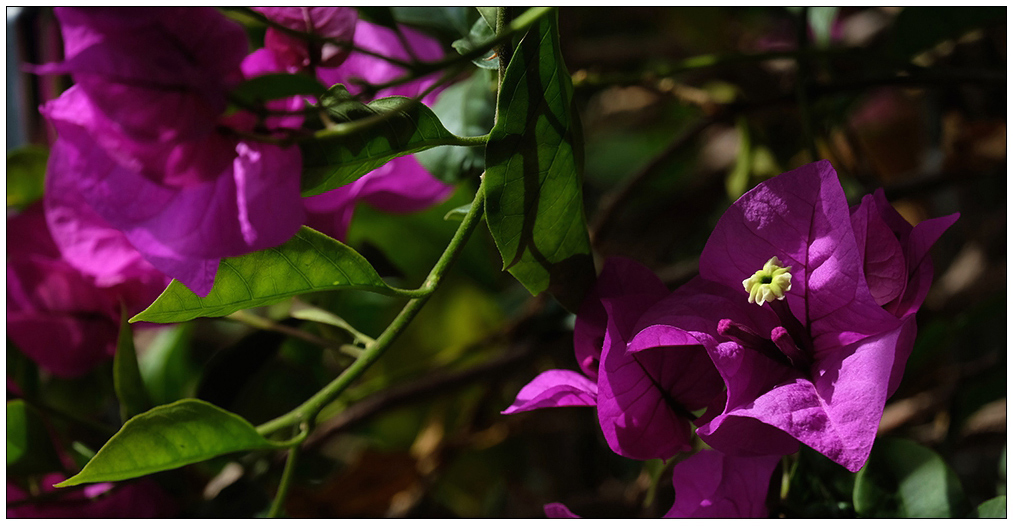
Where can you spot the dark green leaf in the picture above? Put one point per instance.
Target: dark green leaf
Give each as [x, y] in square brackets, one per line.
[466, 108]
[379, 15]
[479, 35]
[277, 86]
[534, 165]
[904, 479]
[399, 127]
[993, 509]
[309, 262]
[490, 15]
[451, 19]
[26, 175]
[29, 448]
[168, 437]
[918, 29]
[127, 375]
[167, 368]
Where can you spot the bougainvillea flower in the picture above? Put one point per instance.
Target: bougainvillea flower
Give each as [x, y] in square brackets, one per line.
[65, 320]
[139, 499]
[556, 510]
[816, 362]
[402, 185]
[158, 161]
[710, 484]
[644, 400]
[897, 265]
[295, 53]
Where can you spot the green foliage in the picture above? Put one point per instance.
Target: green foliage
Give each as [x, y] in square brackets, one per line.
[992, 509]
[466, 108]
[819, 487]
[26, 175]
[168, 437]
[534, 165]
[29, 448]
[263, 88]
[905, 479]
[380, 131]
[127, 379]
[309, 262]
[481, 34]
[168, 371]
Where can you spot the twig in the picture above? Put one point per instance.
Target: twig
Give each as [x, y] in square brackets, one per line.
[611, 202]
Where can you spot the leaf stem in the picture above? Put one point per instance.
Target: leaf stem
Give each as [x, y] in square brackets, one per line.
[286, 482]
[306, 413]
[260, 322]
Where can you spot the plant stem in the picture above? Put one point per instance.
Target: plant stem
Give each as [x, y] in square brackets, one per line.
[286, 482]
[306, 413]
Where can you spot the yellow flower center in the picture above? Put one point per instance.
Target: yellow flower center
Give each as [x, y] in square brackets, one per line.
[769, 283]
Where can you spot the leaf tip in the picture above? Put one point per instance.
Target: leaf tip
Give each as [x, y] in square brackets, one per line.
[67, 483]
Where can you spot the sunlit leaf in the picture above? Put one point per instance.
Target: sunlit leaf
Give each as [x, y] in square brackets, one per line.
[400, 127]
[29, 448]
[168, 437]
[904, 479]
[534, 165]
[127, 379]
[309, 262]
[26, 173]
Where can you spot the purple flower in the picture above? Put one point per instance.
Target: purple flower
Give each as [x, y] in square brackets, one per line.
[810, 357]
[295, 53]
[127, 500]
[710, 484]
[61, 317]
[645, 401]
[143, 140]
[556, 510]
[402, 185]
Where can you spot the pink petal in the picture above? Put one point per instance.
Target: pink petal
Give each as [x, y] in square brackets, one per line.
[554, 388]
[712, 485]
[556, 510]
[337, 23]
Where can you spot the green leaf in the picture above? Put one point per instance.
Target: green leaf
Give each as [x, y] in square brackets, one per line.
[490, 15]
[168, 371]
[309, 262]
[393, 126]
[479, 35]
[29, 448]
[821, 21]
[380, 15]
[26, 175]
[127, 380]
[465, 108]
[534, 168]
[458, 213]
[277, 86]
[993, 508]
[451, 19]
[168, 437]
[904, 479]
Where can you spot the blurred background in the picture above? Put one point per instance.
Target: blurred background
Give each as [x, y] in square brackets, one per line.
[683, 110]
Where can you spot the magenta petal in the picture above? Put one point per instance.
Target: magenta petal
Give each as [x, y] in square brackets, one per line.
[801, 217]
[712, 485]
[400, 186]
[374, 70]
[838, 412]
[880, 252]
[337, 23]
[141, 498]
[631, 288]
[557, 510]
[555, 388]
[63, 344]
